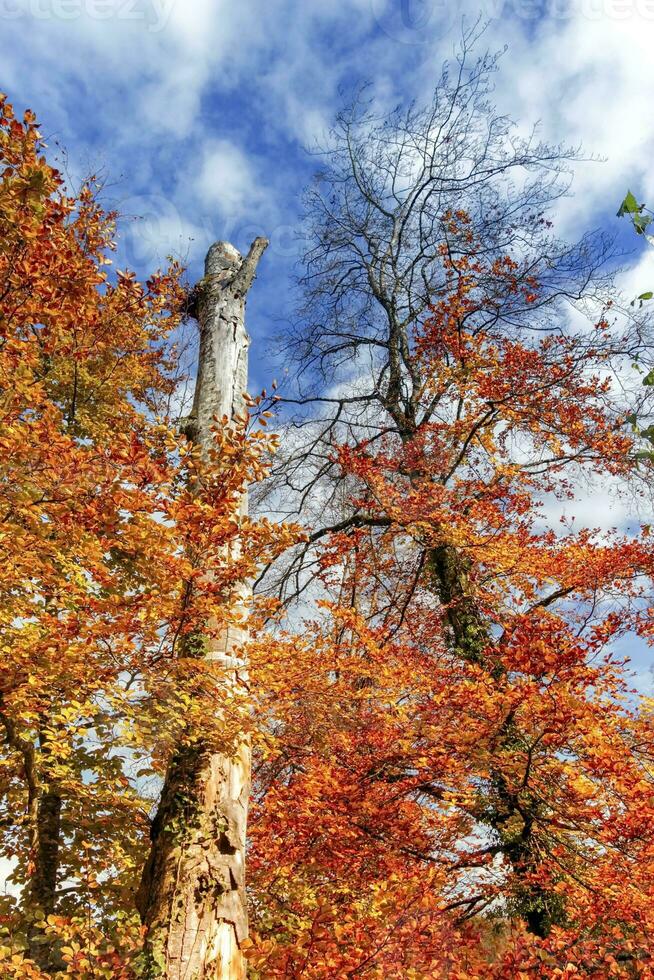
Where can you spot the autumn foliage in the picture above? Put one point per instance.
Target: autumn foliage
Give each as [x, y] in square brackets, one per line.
[453, 776]
[105, 512]
[459, 781]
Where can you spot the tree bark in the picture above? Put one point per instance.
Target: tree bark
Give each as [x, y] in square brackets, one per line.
[192, 895]
[44, 805]
[41, 893]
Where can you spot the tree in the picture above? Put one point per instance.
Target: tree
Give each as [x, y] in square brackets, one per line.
[192, 896]
[106, 511]
[81, 360]
[453, 758]
[454, 744]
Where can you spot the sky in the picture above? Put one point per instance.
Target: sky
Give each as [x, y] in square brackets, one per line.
[203, 116]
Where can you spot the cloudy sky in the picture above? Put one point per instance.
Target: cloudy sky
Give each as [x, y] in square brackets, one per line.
[201, 113]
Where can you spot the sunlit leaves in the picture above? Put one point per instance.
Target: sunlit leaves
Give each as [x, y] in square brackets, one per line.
[454, 779]
[117, 542]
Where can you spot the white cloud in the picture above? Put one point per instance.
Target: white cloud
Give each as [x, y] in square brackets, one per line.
[154, 228]
[227, 180]
[588, 76]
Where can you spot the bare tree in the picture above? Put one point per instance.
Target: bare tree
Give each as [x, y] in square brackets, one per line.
[377, 223]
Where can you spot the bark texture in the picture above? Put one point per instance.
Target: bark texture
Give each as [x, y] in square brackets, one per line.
[44, 805]
[192, 894]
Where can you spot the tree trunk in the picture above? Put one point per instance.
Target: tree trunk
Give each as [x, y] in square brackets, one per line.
[44, 805]
[192, 895]
[470, 636]
[469, 633]
[41, 892]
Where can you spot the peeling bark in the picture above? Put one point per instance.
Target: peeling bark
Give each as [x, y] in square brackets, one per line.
[192, 895]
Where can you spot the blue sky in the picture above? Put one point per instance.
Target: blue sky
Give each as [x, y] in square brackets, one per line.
[199, 112]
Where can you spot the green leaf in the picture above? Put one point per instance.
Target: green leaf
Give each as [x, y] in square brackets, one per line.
[629, 206]
[649, 379]
[640, 222]
[642, 298]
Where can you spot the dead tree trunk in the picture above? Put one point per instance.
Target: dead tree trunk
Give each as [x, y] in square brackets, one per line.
[192, 894]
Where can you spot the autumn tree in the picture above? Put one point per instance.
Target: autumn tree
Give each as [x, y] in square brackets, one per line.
[81, 475]
[107, 509]
[452, 775]
[467, 776]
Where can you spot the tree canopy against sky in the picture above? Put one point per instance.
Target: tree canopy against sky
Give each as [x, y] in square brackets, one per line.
[118, 547]
[193, 141]
[467, 367]
[453, 777]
